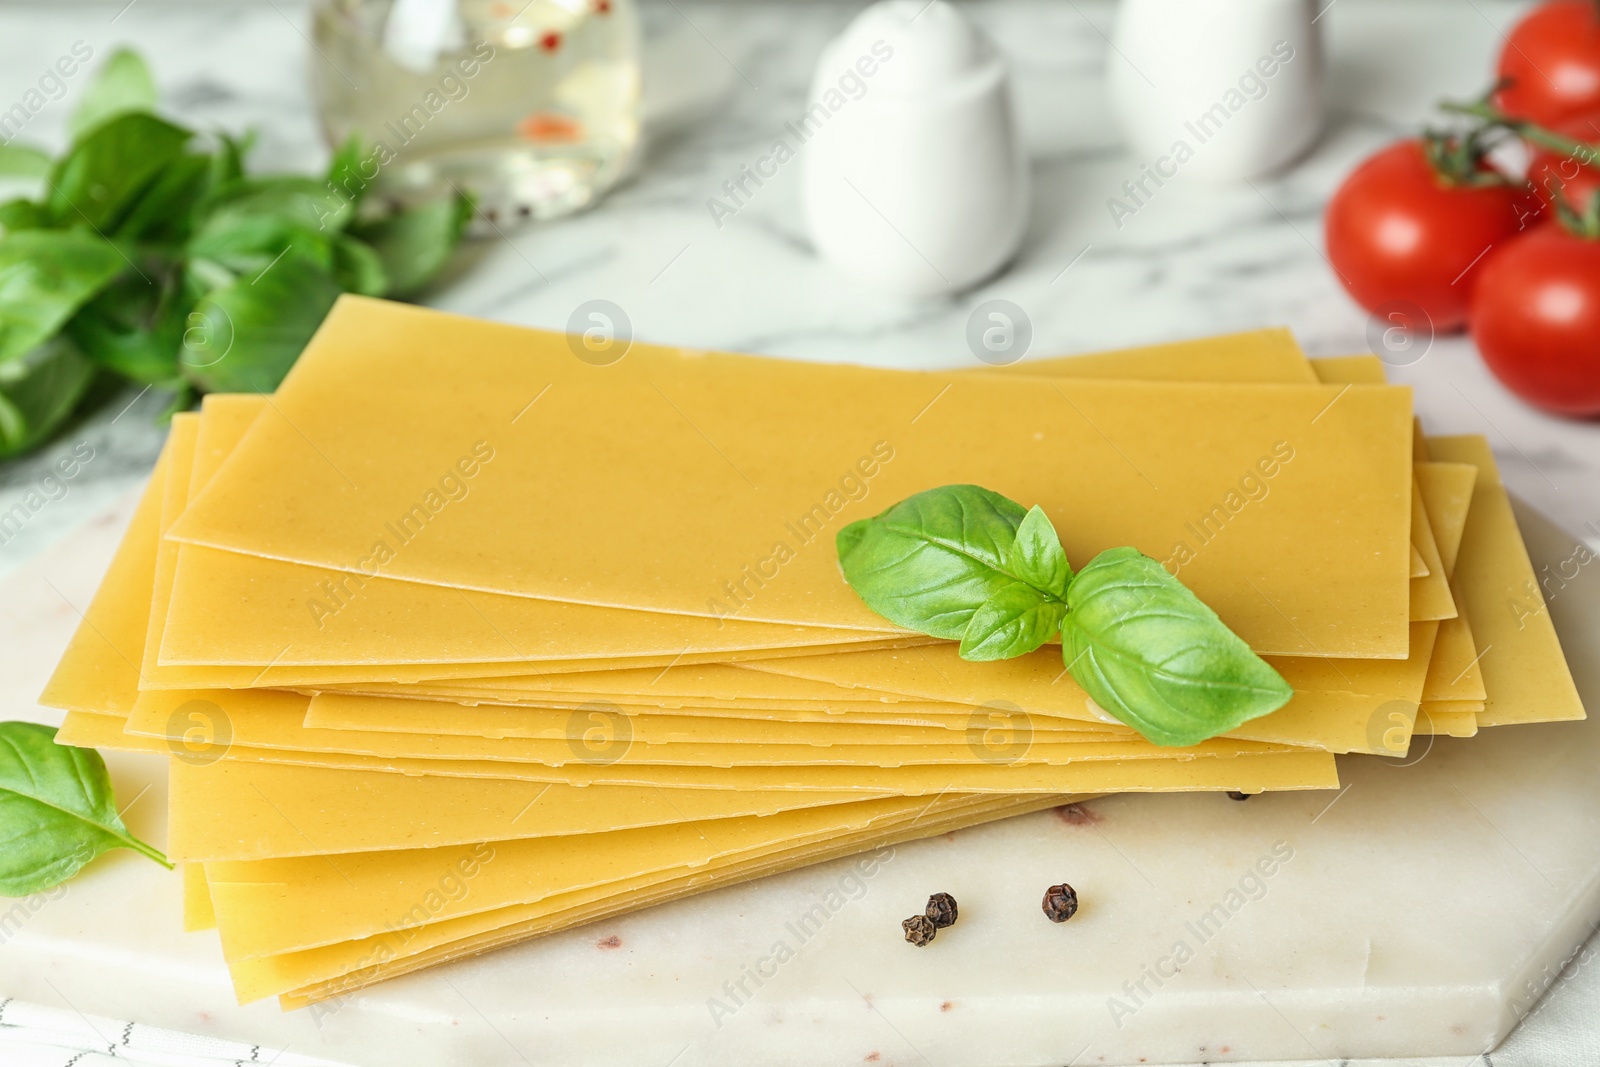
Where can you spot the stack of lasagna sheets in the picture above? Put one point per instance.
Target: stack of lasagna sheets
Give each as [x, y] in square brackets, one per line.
[456, 606]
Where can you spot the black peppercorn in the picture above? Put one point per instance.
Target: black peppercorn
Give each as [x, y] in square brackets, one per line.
[942, 910]
[919, 930]
[1234, 794]
[1060, 903]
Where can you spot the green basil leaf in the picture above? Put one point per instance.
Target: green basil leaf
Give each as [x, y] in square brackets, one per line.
[1013, 622]
[39, 392]
[164, 212]
[57, 811]
[23, 161]
[294, 201]
[358, 268]
[45, 276]
[226, 174]
[123, 84]
[244, 337]
[1037, 557]
[929, 562]
[347, 170]
[252, 223]
[1150, 653]
[23, 214]
[134, 328]
[416, 243]
[201, 275]
[108, 167]
[249, 245]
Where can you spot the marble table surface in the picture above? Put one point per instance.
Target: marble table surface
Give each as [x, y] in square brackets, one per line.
[723, 78]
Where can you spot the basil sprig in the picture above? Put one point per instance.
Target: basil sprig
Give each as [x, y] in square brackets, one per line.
[57, 811]
[969, 565]
[147, 252]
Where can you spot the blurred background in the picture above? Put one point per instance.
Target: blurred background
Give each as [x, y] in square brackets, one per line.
[613, 169]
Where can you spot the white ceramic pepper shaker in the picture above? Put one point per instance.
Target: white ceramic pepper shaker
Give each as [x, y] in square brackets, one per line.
[1219, 89]
[914, 179]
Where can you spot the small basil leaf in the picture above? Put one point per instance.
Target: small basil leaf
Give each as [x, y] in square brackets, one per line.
[39, 392]
[23, 161]
[164, 211]
[134, 327]
[23, 214]
[416, 243]
[249, 244]
[1037, 557]
[45, 276]
[1149, 652]
[847, 539]
[201, 275]
[57, 811]
[358, 268]
[929, 562]
[108, 167]
[225, 175]
[1013, 622]
[244, 337]
[294, 201]
[122, 85]
[347, 171]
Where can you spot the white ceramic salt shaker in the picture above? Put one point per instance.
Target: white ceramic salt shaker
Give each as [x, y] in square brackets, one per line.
[1218, 89]
[913, 179]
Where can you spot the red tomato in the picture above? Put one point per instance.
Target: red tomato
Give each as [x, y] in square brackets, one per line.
[1398, 233]
[1577, 179]
[1536, 318]
[1552, 61]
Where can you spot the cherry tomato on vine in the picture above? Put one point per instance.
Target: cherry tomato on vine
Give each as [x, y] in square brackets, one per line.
[1536, 319]
[1410, 225]
[1551, 63]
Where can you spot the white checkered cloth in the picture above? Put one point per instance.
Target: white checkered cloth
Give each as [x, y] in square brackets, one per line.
[32, 1036]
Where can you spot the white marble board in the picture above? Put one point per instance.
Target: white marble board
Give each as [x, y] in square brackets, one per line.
[1418, 912]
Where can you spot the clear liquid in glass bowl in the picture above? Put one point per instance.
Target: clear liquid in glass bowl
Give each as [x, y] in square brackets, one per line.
[533, 108]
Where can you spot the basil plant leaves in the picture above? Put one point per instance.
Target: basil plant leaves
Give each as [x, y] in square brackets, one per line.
[147, 253]
[57, 811]
[966, 564]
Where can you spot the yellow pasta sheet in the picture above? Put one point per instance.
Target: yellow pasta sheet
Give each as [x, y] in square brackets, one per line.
[267, 720]
[1269, 770]
[273, 719]
[1431, 600]
[232, 415]
[1452, 671]
[1336, 705]
[1006, 765]
[88, 729]
[1525, 674]
[1438, 719]
[99, 671]
[723, 451]
[336, 969]
[198, 914]
[208, 578]
[336, 711]
[346, 636]
[1453, 674]
[266, 907]
[235, 810]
